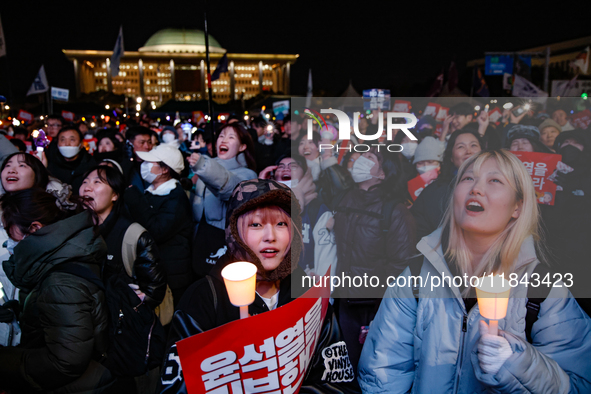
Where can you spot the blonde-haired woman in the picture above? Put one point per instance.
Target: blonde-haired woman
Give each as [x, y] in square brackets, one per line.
[437, 341]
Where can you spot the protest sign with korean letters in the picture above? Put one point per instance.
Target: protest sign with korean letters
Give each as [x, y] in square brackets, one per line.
[271, 355]
[540, 166]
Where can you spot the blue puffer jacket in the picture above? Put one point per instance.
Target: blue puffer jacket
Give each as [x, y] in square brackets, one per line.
[217, 180]
[424, 348]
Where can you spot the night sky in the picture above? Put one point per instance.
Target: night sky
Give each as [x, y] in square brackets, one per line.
[397, 45]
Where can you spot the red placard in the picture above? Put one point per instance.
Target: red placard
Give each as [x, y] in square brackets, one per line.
[401, 106]
[581, 120]
[432, 109]
[495, 115]
[271, 354]
[417, 184]
[540, 166]
[442, 114]
[24, 116]
[67, 115]
[198, 117]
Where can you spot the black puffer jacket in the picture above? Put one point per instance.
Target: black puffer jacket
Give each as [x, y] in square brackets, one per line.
[70, 172]
[151, 277]
[64, 317]
[362, 246]
[430, 206]
[196, 312]
[168, 219]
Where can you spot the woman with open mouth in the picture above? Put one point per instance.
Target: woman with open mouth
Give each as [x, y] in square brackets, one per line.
[428, 339]
[217, 179]
[263, 229]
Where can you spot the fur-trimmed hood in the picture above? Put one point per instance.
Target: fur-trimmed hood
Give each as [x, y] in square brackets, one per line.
[253, 194]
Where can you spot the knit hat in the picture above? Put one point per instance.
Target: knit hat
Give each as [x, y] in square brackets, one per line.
[549, 123]
[250, 195]
[429, 149]
[167, 154]
[531, 133]
[168, 128]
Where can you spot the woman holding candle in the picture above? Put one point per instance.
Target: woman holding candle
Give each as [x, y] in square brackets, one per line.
[441, 340]
[259, 230]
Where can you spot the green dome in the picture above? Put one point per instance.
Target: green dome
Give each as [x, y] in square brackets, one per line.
[180, 40]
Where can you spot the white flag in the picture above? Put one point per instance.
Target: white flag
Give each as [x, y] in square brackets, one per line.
[40, 84]
[2, 41]
[309, 94]
[524, 88]
[582, 60]
[117, 53]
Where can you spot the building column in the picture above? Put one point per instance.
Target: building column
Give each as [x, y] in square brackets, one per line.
[77, 77]
[109, 77]
[140, 65]
[286, 78]
[261, 77]
[232, 82]
[203, 80]
[172, 82]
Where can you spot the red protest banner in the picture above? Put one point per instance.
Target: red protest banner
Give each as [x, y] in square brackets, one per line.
[540, 166]
[67, 115]
[417, 184]
[581, 120]
[24, 116]
[271, 354]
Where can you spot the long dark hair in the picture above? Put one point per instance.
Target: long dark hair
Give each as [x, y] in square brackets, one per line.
[41, 173]
[244, 138]
[448, 170]
[112, 177]
[20, 209]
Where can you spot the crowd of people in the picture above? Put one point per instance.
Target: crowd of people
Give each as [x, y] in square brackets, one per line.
[146, 215]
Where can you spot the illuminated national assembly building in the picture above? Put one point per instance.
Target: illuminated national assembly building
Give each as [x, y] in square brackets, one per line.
[171, 65]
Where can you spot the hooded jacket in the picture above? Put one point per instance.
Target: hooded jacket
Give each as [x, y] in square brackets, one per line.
[64, 317]
[70, 172]
[431, 346]
[196, 312]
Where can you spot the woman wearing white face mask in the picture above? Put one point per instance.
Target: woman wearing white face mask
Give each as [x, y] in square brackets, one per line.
[374, 234]
[428, 155]
[70, 161]
[164, 210]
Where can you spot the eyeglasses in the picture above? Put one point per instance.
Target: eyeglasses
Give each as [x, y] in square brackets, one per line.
[291, 166]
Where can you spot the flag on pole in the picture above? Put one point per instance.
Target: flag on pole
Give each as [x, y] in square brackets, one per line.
[117, 53]
[581, 61]
[309, 93]
[2, 41]
[437, 86]
[568, 86]
[40, 84]
[222, 67]
[480, 86]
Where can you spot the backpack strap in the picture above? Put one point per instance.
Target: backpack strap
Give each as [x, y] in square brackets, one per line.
[129, 247]
[535, 297]
[415, 266]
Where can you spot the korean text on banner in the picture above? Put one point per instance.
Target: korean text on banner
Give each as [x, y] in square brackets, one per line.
[540, 166]
[25, 116]
[273, 353]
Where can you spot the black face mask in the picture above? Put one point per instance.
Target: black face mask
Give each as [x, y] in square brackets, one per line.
[570, 155]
